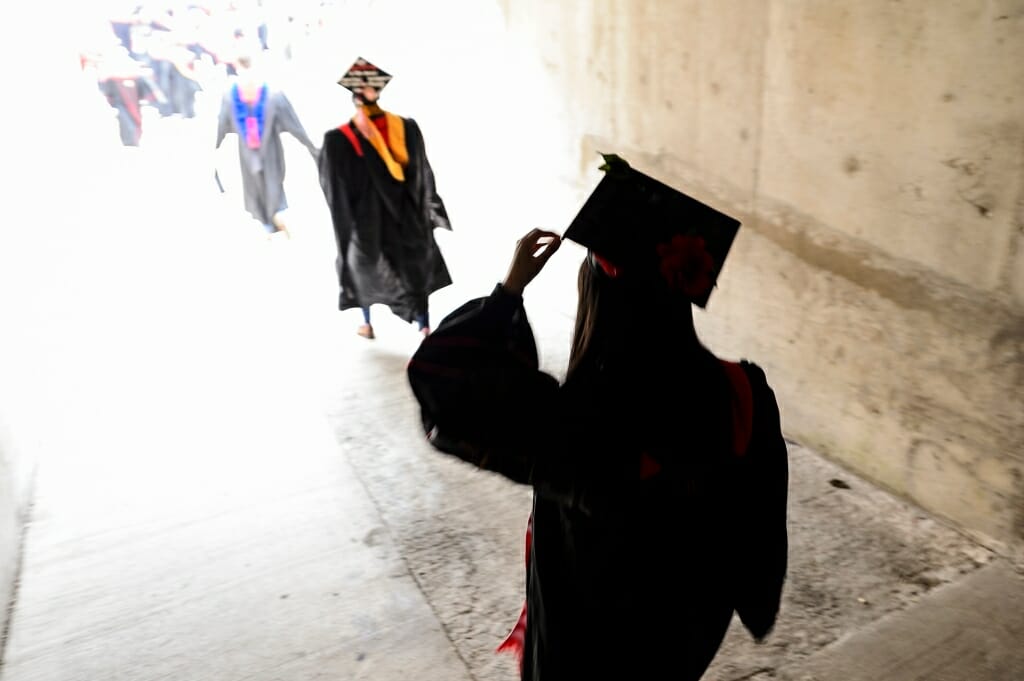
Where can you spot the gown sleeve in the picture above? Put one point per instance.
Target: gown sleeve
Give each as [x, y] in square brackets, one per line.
[436, 210]
[433, 206]
[479, 389]
[764, 482]
[291, 124]
[483, 400]
[224, 125]
[331, 162]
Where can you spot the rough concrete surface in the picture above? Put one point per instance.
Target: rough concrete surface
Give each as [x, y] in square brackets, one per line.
[970, 629]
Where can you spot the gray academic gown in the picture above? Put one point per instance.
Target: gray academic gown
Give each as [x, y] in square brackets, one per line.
[263, 169]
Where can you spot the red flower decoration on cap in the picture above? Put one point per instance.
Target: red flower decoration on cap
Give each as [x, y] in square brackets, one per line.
[687, 266]
[606, 265]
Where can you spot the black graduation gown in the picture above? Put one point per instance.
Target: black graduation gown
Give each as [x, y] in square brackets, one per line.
[634, 570]
[263, 169]
[384, 228]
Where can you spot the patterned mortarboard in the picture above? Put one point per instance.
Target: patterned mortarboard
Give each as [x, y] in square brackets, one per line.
[364, 74]
[635, 225]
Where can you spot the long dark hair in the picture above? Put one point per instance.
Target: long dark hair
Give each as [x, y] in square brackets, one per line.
[616, 317]
[587, 308]
[632, 343]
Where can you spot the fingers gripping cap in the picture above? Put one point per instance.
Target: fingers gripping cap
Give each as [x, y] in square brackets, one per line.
[636, 226]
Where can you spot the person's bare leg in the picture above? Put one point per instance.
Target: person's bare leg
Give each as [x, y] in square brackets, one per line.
[423, 322]
[366, 329]
[281, 227]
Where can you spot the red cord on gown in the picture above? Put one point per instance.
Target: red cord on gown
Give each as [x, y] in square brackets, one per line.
[515, 642]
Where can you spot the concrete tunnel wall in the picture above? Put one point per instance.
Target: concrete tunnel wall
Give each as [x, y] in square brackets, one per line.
[875, 154]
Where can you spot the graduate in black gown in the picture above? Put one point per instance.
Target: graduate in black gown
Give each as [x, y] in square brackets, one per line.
[384, 206]
[660, 473]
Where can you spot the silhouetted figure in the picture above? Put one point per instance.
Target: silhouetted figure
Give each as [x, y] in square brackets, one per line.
[384, 207]
[659, 471]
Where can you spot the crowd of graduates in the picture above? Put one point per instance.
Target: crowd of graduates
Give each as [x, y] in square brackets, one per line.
[162, 55]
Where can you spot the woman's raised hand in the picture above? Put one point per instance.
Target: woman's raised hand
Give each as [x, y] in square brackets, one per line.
[531, 254]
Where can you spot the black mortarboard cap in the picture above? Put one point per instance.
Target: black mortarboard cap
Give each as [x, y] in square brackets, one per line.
[644, 229]
[364, 74]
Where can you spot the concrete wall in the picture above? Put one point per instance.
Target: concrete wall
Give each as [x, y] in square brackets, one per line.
[875, 153]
